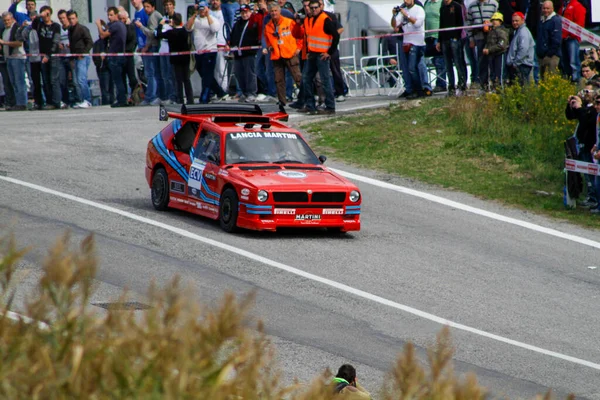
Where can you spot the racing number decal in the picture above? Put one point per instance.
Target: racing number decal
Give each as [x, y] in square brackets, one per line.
[196, 171]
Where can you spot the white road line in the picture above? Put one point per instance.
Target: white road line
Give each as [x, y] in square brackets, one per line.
[304, 274]
[474, 210]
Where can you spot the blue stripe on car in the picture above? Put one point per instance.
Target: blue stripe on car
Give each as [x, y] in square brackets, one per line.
[208, 191]
[170, 159]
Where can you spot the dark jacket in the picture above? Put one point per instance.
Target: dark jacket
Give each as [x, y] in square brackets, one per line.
[586, 128]
[49, 36]
[178, 39]
[100, 46]
[131, 38]
[509, 7]
[451, 16]
[549, 37]
[15, 35]
[80, 39]
[497, 41]
[251, 37]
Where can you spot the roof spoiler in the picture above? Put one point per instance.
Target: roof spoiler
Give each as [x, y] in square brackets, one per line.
[275, 111]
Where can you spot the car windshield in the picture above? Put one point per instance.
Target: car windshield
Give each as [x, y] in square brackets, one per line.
[267, 147]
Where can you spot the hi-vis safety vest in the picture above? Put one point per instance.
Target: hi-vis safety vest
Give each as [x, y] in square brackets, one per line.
[318, 40]
[280, 38]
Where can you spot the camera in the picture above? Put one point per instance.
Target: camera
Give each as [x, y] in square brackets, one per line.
[300, 16]
[397, 9]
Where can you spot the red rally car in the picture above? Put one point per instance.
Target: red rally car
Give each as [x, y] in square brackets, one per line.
[240, 164]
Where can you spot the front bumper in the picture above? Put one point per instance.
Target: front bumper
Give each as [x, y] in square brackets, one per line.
[268, 217]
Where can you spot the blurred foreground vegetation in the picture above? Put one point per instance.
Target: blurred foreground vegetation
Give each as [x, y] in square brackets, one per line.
[175, 349]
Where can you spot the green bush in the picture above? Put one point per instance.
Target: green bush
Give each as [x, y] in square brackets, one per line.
[524, 125]
[175, 350]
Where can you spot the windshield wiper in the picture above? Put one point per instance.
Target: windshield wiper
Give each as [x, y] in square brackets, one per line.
[250, 162]
[288, 162]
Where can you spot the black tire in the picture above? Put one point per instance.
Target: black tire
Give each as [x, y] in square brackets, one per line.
[160, 190]
[228, 211]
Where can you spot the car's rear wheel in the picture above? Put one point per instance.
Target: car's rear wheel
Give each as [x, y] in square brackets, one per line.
[160, 190]
[228, 210]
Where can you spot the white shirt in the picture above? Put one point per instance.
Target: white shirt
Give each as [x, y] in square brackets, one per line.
[205, 34]
[218, 14]
[418, 37]
[164, 43]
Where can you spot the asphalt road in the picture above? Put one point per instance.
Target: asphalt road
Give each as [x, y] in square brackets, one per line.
[490, 275]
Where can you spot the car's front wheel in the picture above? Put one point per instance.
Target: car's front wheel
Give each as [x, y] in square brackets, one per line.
[228, 210]
[160, 190]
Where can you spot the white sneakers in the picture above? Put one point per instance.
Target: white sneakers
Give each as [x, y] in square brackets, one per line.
[83, 104]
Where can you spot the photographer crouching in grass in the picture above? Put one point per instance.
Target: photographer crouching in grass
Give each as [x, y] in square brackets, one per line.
[581, 108]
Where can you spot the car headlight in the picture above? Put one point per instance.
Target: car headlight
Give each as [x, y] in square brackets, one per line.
[262, 196]
[354, 196]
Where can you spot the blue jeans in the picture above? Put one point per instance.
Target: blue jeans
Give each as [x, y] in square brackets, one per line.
[415, 56]
[520, 73]
[64, 75]
[51, 76]
[116, 64]
[150, 70]
[472, 57]
[80, 74]
[16, 73]
[483, 64]
[106, 85]
[571, 64]
[166, 73]
[315, 64]
[586, 156]
[453, 56]
[423, 74]
[205, 65]
[229, 10]
[440, 71]
[271, 87]
[9, 93]
[261, 71]
[404, 67]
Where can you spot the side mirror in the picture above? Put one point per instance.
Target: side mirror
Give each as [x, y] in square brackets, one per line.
[322, 158]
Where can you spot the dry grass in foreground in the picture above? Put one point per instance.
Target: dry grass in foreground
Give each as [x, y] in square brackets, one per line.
[177, 350]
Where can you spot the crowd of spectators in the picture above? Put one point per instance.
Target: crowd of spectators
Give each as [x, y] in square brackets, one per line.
[505, 41]
[275, 52]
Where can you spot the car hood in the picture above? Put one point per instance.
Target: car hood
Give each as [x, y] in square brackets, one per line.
[292, 179]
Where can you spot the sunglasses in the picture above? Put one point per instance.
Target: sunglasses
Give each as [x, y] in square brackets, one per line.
[315, 8]
[597, 102]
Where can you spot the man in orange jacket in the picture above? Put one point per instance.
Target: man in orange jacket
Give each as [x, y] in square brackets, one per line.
[322, 40]
[284, 48]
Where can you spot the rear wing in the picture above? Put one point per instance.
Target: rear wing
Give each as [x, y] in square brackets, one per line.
[274, 111]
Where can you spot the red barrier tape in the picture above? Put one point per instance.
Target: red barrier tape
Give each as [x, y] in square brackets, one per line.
[582, 166]
[248, 47]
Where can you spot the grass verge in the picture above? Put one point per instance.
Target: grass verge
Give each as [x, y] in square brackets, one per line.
[506, 147]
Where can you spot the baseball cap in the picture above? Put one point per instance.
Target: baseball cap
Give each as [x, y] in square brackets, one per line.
[201, 4]
[519, 14]
[245, 7]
